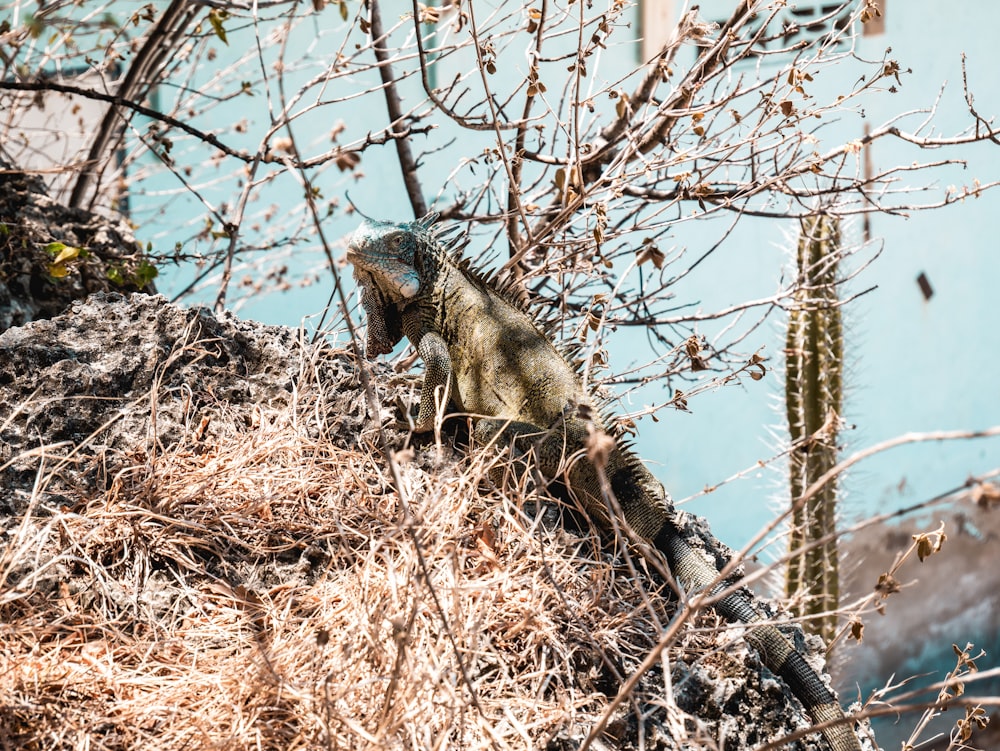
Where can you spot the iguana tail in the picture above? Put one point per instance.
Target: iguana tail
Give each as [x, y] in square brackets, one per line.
[646, 508]
[776, 650]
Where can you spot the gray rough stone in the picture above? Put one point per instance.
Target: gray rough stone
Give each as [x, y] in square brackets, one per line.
[29, 222]
[150, 369]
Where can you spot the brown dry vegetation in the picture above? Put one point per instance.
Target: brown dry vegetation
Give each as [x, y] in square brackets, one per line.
[259, 585]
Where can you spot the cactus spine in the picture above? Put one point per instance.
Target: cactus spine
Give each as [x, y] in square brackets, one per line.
[813, 398]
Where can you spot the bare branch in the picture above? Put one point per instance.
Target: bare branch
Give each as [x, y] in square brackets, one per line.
[143, 73]
[407, 163]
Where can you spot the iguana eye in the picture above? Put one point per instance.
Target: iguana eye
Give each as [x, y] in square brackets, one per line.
[396, 241]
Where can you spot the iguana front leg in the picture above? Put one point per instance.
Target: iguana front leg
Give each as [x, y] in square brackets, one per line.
[436, 389]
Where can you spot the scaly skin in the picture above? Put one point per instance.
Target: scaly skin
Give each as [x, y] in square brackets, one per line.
[486, 357]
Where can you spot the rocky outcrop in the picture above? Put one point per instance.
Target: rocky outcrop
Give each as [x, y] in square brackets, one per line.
[115, 375]
[101, 255]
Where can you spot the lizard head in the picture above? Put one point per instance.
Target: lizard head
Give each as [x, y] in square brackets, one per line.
[385, 254]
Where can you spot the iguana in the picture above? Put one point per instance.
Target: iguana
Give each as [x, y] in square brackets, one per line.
[485, 355]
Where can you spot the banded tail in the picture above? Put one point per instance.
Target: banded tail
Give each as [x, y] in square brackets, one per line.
[777, 651]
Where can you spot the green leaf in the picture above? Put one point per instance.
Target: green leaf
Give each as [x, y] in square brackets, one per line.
[216, 17]
[62, 252]
[68, 253]
[145, 273]
[115, 276]
[35, 26]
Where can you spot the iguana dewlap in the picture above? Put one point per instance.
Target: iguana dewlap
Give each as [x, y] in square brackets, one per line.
[485, 356]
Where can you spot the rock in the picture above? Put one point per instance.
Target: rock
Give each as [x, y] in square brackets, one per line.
[107, 362]
[32, 227]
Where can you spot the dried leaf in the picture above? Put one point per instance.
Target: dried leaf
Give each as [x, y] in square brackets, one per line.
[926, 547]
[621, 107]
[985, 494]
[965, 661]
[857, 630]
[650, 252]
[428, 14]
[887, 585]
[347, 160]
[892, 68]
[599, 446]
[593, 320]
[692, 346]
[870, 11]
[486, 540]
[283, 143]
[680, 401]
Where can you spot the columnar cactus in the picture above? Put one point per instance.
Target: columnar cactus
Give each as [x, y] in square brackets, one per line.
[813, 399]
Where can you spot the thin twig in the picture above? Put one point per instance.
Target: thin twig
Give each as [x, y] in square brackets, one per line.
[407, 164]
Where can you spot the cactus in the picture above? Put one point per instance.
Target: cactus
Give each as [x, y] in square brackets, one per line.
[813, 398]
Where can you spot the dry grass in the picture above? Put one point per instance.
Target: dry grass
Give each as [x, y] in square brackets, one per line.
[259, 589]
